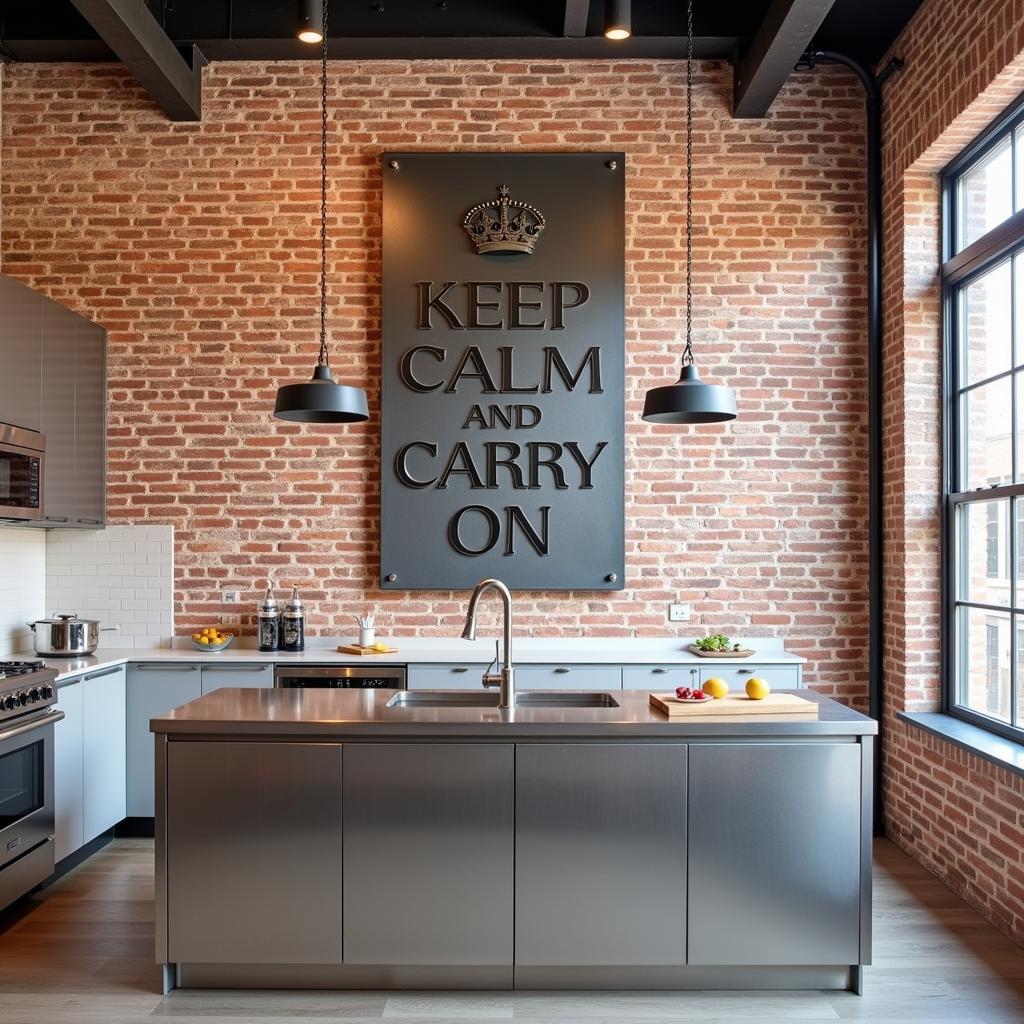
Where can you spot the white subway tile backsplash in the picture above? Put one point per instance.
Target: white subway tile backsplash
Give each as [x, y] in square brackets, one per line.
[22, 586]
[123, 575]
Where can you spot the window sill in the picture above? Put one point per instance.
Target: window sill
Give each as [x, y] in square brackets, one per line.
[984, 744]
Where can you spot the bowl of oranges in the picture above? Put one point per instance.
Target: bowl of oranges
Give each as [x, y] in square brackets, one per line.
[211, 640]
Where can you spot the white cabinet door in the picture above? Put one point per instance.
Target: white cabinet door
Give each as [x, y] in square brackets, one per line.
[103, 769]
[68, 796]
[667, 677]
[445, 677]
[568, 677]
[153, 688]
[658, 678]
[237, 674]
[781, 677]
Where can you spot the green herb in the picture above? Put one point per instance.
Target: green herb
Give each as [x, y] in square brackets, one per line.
[715, 642]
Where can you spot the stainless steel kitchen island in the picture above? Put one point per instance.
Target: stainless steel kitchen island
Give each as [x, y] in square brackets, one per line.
[310, 838]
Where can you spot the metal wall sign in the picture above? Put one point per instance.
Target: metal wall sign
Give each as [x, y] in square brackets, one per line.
[503, 354]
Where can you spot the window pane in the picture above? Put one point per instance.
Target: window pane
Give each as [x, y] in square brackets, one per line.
[986, 325]
[1019, 620]
[1018, 288]
[986, 447]
[983, 660]
[1018, 505]
[983, 552]
[985, 194]
[1020, 168]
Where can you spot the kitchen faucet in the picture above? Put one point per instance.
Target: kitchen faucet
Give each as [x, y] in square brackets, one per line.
[505, 678]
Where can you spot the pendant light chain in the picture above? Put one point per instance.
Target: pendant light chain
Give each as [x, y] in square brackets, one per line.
[688, 353]
[323, 359]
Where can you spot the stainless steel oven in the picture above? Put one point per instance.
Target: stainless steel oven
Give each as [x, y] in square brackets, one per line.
[26, 779]
[22, 460]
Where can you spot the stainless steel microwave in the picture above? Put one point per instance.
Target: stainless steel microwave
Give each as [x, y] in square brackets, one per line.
[22, 459]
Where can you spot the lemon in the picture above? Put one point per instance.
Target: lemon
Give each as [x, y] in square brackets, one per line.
[757, 688]
[204, 639]
[380, 647]
[196, 636]
[716, 687]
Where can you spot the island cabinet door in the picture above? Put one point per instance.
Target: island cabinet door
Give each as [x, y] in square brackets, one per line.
[428, 853]
[254, 852]
[775, 853]
[600, 854]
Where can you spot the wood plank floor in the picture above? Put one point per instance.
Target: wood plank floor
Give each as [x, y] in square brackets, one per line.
[82, 952]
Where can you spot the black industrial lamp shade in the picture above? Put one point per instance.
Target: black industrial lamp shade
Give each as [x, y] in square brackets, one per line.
[310, 25]
[321, 400]
[690, 400]
[617, 19]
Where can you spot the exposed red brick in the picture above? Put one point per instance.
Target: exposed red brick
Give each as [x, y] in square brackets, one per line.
[196, 246]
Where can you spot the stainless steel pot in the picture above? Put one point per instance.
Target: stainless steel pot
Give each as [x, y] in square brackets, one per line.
[66, 635]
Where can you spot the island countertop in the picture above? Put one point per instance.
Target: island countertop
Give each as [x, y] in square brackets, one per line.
[364, 714]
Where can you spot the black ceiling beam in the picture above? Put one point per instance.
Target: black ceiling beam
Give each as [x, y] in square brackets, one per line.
[141, 44]
[785, 33]
[400, 48]
[577, 13]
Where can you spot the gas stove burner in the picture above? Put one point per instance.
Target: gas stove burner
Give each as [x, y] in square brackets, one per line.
[20, 668]
[26, 688]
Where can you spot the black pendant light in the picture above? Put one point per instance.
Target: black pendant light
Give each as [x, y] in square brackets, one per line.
[617, 19]
[322, 399]
[689, 400]
[310, 27]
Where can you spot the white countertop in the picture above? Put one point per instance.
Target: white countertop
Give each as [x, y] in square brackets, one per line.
[441, 650]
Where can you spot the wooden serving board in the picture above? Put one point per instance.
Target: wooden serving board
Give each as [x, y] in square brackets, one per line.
[693, 649]
[364, 651]
[735, 704]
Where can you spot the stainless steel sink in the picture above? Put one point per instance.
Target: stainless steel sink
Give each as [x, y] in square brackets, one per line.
[483, 699]
[564, 699]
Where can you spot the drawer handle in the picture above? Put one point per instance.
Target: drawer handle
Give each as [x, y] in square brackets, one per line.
[105, 672]
[562, 671]
[90, 522]
[236, 668]
[170, 668]
[659, 671]
[460, 669]
[56, 519]
[747, 671]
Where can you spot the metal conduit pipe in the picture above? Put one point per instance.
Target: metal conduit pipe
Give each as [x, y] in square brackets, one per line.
[876, 481]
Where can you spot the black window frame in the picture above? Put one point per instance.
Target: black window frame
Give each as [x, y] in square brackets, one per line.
[958, 270]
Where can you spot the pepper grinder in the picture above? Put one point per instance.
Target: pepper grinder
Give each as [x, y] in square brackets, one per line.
[269, 618]
[293, 624]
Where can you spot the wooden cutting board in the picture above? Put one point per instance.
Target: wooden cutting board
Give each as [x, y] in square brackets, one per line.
[735, 704]
[365, 651]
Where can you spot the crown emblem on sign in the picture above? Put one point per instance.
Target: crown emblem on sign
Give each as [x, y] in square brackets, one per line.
[504, 225]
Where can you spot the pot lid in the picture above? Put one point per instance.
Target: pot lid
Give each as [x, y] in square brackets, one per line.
[60, 620]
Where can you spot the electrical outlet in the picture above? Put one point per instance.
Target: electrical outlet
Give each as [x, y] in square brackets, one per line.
[678, 613]
[232, 596]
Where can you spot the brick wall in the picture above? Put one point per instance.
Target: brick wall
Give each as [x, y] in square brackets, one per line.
[196, 246]
[961, 816]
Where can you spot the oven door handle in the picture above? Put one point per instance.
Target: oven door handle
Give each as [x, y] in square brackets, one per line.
[37, 723]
